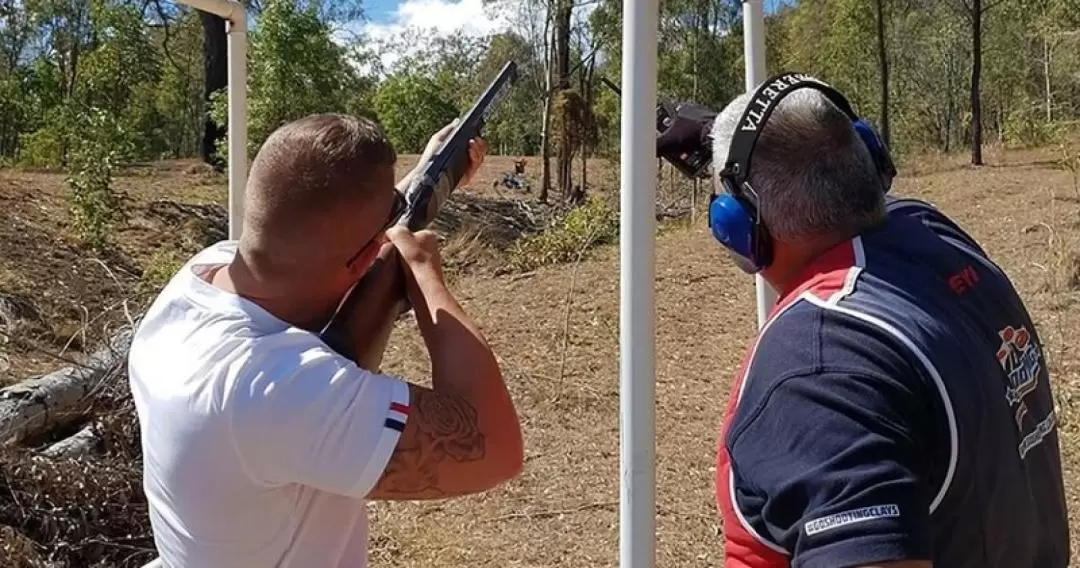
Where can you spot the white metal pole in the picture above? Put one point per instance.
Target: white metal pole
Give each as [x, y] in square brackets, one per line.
[754, 50]
[235, 16]
[237, 125]
[637, 262]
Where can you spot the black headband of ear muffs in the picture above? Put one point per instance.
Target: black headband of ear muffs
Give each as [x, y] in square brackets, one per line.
[763, 102]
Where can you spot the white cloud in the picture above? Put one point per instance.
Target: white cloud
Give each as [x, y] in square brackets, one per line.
[444, 16]
[413, 19]
[433, 18]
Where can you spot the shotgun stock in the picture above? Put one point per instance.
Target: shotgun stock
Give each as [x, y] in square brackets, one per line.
[363, 337]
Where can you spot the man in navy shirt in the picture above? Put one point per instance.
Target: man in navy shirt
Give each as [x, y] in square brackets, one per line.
[896, 409]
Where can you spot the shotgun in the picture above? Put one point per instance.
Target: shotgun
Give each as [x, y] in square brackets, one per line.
[382, 288]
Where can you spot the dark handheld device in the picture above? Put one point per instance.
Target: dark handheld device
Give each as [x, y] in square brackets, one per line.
[692, 154]
[432, 183]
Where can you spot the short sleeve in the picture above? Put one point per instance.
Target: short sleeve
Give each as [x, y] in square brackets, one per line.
[828, 469]
[312, 417]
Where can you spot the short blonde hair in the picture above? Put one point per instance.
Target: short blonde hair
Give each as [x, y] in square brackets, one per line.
[307, 174]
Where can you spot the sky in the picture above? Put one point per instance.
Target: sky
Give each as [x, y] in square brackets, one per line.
[445, 15]
[388, 18]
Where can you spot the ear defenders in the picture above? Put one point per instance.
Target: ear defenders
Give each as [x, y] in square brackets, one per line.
[735, 215]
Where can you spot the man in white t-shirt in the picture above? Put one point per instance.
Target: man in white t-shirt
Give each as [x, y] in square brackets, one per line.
[261, 445]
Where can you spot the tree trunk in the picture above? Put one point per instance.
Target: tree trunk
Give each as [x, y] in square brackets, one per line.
[699, 22]
[976, 77]
[545, 151]
[545, 127]
[1000, 118]
[1046, 80]
[216, 67]
[586, 94]
[563, 14]
[950, 104]
[883, 71]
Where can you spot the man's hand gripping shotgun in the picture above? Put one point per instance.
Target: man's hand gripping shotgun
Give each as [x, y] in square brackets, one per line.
[382, 289]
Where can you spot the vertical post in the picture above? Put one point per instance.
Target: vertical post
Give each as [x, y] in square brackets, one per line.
[237, 95]
[754, 50]
[693, 203]
[235, 16]
[637, 318]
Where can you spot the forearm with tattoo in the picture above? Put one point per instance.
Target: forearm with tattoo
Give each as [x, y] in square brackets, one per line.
[442, 431]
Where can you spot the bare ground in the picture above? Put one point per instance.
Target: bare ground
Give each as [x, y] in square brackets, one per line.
[556, 332]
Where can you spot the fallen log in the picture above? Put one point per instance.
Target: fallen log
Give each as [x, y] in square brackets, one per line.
[34, 406]
[77, 445]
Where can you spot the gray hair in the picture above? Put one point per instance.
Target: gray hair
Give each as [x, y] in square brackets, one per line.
[811, 170]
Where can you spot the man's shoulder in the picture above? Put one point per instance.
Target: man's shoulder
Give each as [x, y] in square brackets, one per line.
[819, 333]
[807, 351]
[933, 219]
[286, 355]
[296, 367]
[183, 338]
[788, 341]
[913, 207]
[811, 337]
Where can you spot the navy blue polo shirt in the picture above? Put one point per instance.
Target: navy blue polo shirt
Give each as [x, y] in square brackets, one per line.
[896, 406]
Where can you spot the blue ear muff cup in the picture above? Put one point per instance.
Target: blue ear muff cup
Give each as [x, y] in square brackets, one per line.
[732, 225]
[877, 148]
[869, 137]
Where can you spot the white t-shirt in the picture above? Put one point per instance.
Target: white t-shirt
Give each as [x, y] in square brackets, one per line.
[259, 442]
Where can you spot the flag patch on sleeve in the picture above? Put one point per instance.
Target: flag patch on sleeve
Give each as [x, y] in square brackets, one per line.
[399, 413]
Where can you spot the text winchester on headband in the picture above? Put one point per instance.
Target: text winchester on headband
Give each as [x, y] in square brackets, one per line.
[734, 216]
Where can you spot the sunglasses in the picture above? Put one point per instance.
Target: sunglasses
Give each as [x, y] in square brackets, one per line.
[398, 209]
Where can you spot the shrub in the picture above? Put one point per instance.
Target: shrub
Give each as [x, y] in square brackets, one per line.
[41, 148]
[95, 208]
[594, 223]
[159, 269]
[1028, 128]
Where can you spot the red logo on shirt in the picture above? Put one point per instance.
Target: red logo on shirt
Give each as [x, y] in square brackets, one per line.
[963, 281]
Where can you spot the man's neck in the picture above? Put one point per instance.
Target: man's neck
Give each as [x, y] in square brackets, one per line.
[792, 260]
[239, 279]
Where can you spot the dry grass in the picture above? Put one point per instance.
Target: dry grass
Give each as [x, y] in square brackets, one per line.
[562, 363]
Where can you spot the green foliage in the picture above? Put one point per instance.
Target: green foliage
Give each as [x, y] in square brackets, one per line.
[460, 67]
[95, 208]
[514, 127]
[177, 98]
[572, 121]
[144, 64]
[162, 265]
[568, 238]
[1070, 160]
[295, 68]
[411, 108]
[1027, 127]
[41, 148]
[123, 59]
